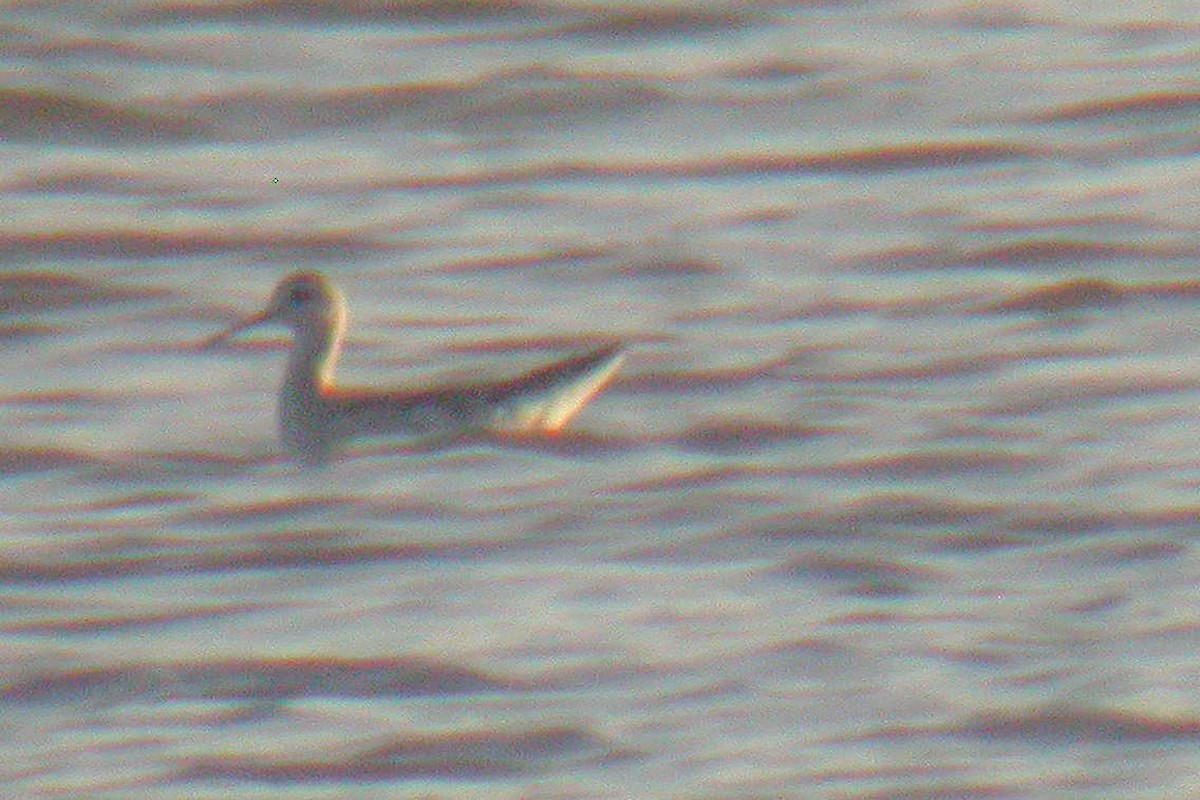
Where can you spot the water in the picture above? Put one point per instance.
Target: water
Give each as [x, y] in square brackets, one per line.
[895, 497]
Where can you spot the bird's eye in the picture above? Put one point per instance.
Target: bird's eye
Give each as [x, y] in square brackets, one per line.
[300, 296]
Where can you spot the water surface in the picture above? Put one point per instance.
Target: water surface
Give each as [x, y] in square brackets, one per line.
[895, 497]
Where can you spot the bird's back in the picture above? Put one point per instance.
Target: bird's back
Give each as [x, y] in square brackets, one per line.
[543, 400]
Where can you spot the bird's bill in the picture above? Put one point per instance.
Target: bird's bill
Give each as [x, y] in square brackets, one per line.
[234, 329]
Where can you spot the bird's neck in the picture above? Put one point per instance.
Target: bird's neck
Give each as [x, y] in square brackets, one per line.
[314, 356]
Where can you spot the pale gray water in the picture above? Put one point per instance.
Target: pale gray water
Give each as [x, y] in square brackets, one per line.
[896, 497]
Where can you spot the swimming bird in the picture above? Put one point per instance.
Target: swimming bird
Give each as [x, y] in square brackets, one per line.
[315, 417]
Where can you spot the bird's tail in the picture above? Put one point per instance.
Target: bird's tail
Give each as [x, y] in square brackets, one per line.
[548, 398]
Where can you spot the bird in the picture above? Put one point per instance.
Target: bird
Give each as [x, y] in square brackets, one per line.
[316, 417]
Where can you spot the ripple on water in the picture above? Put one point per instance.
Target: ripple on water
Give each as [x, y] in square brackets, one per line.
[462, 755]
[24, 460]
[251, 679]
[335, 11]
[1065, 725]
[33, 292]
[305, 549]
[862, 576]
[39, 115]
